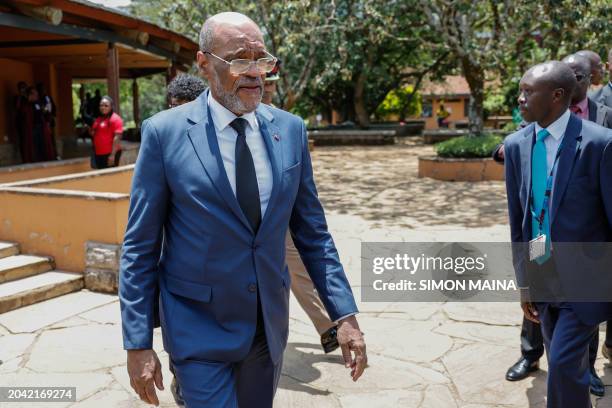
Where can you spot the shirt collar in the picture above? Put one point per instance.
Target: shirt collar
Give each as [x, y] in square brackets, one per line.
[222, 117]
[557, 128]
[583, 104]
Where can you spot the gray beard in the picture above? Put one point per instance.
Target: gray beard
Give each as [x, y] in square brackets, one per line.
[231, 101]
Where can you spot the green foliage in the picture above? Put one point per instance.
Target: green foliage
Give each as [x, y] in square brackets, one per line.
[347, 55]
[403, 101]
[510, 127]
[469, 147]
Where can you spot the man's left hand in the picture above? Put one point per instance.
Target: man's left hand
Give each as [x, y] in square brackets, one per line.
[351, 342]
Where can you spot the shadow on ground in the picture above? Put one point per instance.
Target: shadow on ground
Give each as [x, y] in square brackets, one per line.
[380, 183]
[299, 367]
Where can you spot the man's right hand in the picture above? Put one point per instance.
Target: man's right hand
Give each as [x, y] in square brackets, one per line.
[530, 312]
[144, 370]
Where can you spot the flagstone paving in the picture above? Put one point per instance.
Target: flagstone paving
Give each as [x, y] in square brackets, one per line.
[425, 355]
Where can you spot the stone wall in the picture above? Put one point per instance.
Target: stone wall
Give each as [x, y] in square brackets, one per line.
[102, 266]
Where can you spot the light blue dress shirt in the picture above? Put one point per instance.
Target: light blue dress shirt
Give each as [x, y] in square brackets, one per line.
[226, 136]
[552, 142]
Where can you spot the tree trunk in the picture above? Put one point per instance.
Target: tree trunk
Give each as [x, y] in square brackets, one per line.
[474, 75]
[361, 114]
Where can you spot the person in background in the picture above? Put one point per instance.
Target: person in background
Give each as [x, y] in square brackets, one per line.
[19, 102]
[546, 153]
[442, 115]
[603, 95]
[106, 133]
[184, 88]
[35, 130]
[597, 67]
[49, 111]
[270, 84]
[94, 108]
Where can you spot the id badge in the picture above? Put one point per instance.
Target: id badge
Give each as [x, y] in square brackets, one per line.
[537, 247]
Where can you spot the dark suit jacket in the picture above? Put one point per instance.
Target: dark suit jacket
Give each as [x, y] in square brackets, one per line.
[603, 95]
[600, 113]
[581, 209]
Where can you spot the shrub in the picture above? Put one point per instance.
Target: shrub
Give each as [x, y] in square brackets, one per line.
[469, 146]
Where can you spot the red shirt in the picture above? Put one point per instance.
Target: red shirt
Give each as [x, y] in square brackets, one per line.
[104, 131]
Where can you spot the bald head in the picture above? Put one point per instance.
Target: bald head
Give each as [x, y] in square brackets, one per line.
[230, 45]
[577, 61]
[581, 67]
[226, 21]
[597, 72]
[554, 75]
[545, 92]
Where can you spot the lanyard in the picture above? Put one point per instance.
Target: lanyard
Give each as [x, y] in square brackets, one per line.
[547, 193]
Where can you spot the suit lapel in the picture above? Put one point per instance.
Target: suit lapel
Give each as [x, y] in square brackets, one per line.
[593, 108]
[271, 136]
[204, 140]
[566, 163]
[525, 149]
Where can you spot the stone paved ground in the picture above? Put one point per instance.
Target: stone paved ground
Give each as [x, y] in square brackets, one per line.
[426, 355]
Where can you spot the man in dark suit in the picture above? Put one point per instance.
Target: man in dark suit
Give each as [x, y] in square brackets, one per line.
[603, 95]
[568, 160]
[532, 347]
[217, 184]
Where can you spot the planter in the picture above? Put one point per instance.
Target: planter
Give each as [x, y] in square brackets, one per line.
[455, 169]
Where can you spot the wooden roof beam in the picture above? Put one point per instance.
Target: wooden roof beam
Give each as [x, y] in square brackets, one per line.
[48, 14]
[142, 37]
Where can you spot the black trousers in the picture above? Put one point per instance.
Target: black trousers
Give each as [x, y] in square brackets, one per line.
[532, 342]
[102, 160]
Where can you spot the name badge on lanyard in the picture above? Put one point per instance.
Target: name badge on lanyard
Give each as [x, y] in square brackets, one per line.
[537, 246]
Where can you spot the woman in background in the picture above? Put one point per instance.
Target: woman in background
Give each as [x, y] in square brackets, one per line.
[106, 132]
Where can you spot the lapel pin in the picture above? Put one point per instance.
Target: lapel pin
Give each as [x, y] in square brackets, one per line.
[276, 137]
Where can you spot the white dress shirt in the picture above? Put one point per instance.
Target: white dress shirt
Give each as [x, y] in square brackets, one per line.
[552, 143]
[226, 136]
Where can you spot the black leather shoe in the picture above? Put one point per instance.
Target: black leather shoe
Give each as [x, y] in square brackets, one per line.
[521, 369]
[596, 385]
[329, 340]
[175, 388]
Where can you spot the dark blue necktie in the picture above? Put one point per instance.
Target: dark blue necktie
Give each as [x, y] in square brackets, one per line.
[247, 191]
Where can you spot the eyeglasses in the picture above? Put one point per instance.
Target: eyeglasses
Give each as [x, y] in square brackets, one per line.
[240, 66]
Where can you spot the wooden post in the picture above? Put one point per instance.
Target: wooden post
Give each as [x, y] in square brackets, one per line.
[136, 102]
[112, 75]
[170, 73]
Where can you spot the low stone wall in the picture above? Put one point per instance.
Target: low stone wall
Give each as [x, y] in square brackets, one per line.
[102, 266]
[38, 170]
[440, 135]
[407, 128]
[352, 137]
[454, 169]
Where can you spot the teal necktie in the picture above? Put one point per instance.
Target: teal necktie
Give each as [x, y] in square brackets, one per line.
[539, 176]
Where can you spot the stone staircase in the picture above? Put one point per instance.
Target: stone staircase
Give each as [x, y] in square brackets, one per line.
[28, 279]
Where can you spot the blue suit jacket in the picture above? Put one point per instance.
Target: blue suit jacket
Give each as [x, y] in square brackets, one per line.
[210, 259]
[581, 209]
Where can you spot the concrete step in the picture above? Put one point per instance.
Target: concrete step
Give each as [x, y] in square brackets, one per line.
[8, 249]
[21, 266]
[34, 289]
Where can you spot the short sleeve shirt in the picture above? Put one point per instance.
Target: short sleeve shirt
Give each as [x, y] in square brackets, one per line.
[104, 132]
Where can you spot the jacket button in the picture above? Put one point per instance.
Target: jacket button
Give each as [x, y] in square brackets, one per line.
[252, 287]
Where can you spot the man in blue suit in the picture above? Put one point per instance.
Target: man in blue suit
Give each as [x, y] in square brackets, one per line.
[217, 183]
[568, 160]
